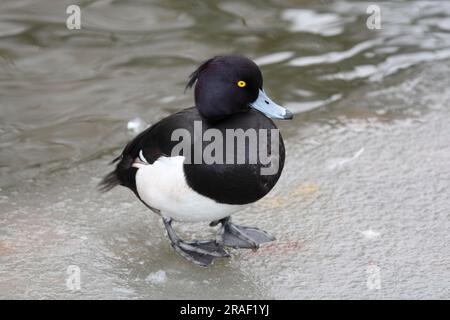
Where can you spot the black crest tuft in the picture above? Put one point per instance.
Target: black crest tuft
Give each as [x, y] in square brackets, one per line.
[194, 75]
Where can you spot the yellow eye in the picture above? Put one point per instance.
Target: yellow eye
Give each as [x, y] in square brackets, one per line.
[241, 84]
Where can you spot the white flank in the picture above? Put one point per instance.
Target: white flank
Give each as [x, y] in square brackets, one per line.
[162, 185]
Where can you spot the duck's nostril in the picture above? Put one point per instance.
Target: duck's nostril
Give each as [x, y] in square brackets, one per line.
[267, 102]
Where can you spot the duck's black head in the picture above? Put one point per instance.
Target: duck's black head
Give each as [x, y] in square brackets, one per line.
[230, 84]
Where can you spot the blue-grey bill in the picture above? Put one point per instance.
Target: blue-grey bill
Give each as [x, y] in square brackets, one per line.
[272, 110]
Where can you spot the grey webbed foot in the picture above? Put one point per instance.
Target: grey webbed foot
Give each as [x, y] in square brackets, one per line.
[236, 236]
[201, 253]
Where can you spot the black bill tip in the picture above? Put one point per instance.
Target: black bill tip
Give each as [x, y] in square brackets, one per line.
[288, 115]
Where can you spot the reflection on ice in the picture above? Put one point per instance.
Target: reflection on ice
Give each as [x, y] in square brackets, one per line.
[370, 234]
[339, 162]
[157, 277]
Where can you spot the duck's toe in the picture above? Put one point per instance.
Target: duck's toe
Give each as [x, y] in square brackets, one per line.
[236, 236]
[201, 253]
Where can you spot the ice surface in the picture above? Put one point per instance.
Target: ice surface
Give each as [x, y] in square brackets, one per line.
[362, 209]
[157, 277]
[388, 207]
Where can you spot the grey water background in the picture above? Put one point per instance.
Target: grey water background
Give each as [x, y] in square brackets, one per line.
[362, 208]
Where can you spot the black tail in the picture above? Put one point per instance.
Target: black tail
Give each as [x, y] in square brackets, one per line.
[109, 181]
[124, 175]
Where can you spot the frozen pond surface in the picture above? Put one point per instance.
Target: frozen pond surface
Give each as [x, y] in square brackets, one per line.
[362, 209]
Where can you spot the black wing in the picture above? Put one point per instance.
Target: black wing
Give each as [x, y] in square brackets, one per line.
[154, 142]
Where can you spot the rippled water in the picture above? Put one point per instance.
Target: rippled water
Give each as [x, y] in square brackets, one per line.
[366, 179]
